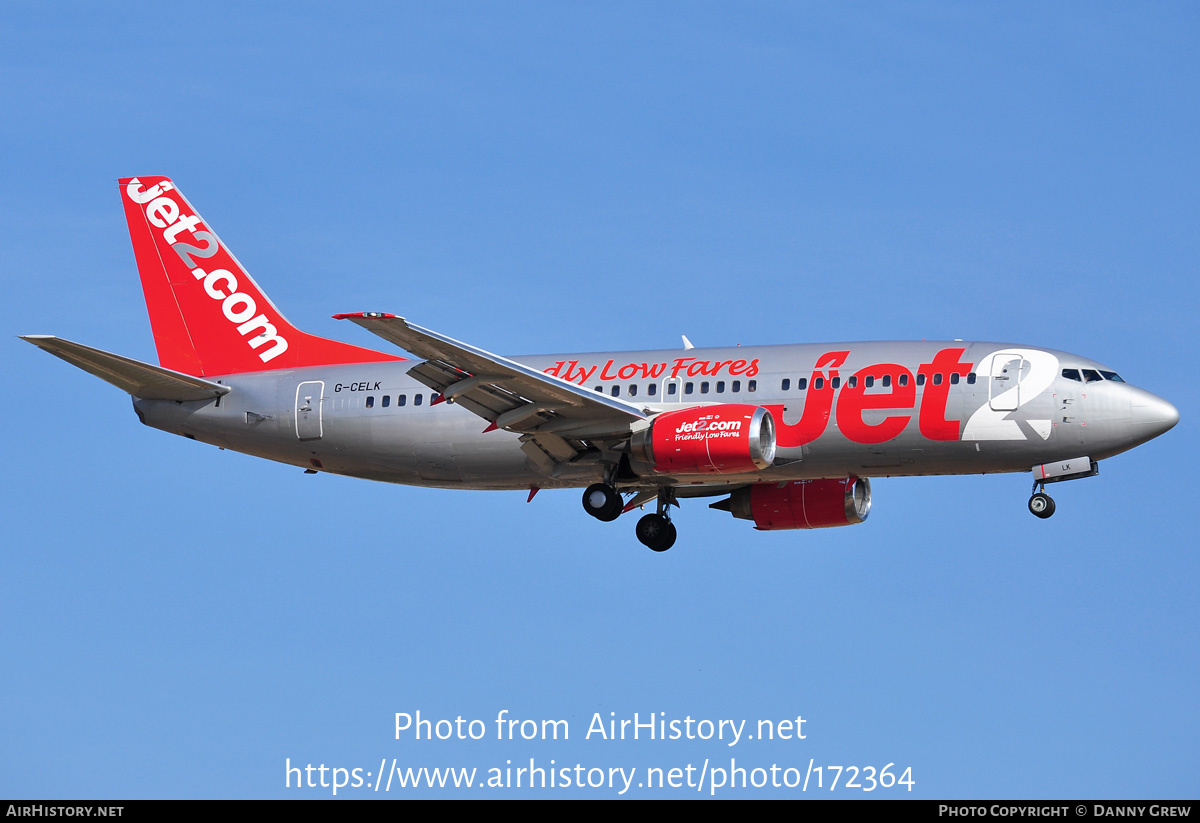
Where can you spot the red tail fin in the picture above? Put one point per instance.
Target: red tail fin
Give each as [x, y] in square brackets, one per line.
[208, 316]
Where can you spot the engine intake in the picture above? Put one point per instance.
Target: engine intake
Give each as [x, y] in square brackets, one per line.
[728, 439]
[801, 504]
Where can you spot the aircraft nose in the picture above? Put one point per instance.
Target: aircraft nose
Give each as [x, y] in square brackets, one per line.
[1151, 415]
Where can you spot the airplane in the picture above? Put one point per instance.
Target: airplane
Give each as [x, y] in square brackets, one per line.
[788, 436]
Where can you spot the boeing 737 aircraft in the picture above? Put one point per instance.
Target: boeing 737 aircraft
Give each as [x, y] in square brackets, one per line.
[788, 436]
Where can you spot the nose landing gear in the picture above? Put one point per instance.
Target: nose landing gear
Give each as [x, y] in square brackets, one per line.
[1041, 504]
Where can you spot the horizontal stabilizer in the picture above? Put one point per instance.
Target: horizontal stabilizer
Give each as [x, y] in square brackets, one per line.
[138, 378]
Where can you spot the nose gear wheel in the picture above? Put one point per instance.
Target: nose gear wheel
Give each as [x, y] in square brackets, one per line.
[1041, 505]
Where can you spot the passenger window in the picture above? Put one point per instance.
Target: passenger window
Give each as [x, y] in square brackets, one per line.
[937, 379]
[920, 380]
[736, 387]
[954, 378]
[672, 388]
[600, 389]
[616, 391]
[387, 401]
[652, 389]
[401, 400]
[751, 385]
[633, 390]
[903, 379]
[704, 387]
[835, 382]
[971, 378]
[688, 388]
[720, 387]
[869, 382]
[370, 402]
[853, 381]
[802, 383]
[785, 384]
[819, 383]
[417, 399]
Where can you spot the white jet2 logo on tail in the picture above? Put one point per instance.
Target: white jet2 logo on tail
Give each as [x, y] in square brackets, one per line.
[238, 307]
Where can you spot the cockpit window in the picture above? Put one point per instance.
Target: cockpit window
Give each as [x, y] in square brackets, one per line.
[1091, 376]
[1072, 374]
[1113, 376]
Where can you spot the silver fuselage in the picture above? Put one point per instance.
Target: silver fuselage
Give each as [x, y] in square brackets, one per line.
[1001, 408]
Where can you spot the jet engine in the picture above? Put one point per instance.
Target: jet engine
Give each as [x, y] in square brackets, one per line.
[728, 439]
[801, 504]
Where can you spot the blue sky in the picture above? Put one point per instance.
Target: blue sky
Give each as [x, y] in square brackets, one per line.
[177, 621]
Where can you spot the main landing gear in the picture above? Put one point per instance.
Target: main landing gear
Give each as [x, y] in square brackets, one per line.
[655, 531]
[602, 502]
[1041, 504]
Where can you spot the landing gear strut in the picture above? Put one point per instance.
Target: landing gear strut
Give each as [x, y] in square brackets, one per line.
[602, 502]
[1041, 504]
[656, 531]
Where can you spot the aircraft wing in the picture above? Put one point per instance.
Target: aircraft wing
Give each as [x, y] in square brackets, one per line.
[506, 393]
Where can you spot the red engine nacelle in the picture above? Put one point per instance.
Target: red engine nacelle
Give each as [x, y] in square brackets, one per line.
[727, 439]
[801, 504]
